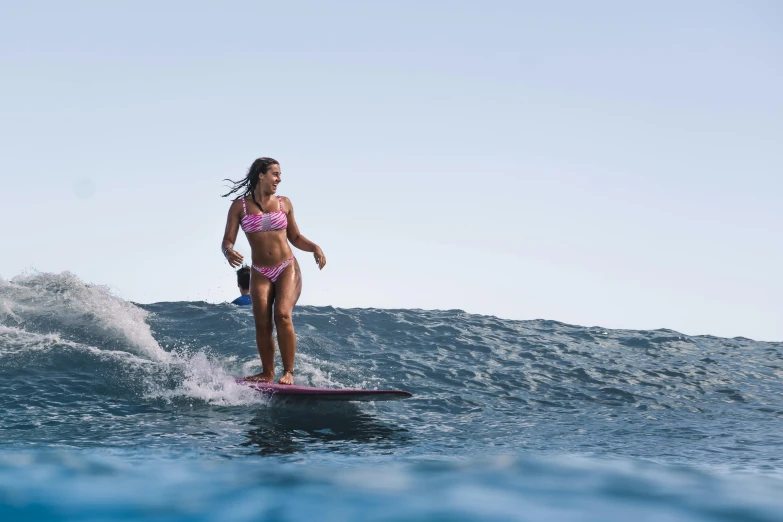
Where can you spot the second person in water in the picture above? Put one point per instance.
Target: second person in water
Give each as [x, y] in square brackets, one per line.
[276, 281]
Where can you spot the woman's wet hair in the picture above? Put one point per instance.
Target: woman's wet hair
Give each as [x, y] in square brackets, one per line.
[243, 277]
[248, 184]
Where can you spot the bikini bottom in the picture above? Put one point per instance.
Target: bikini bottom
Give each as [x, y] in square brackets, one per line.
[273, 272]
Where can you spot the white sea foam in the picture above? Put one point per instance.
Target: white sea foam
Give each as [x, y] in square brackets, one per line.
[206, 379]
[63, 300]
[17, 340]
[70, 311]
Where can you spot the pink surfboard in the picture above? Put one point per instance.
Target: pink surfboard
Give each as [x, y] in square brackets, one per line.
[325, 394]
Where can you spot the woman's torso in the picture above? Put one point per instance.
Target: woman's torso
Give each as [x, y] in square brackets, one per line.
[266, 231]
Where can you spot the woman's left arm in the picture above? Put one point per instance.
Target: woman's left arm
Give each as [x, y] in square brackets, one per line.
[301, 242]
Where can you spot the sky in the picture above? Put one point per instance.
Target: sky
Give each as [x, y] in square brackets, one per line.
[607, 163]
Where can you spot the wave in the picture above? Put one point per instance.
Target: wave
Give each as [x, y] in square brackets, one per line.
[63, 304]
[479, 382]
[56, 326]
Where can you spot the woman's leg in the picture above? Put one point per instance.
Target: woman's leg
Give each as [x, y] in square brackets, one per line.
[288, 288]
[262, 293]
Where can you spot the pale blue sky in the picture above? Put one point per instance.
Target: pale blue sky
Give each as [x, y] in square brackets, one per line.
[600, 163]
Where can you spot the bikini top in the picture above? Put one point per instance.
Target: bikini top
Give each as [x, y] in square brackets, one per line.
[264, 222]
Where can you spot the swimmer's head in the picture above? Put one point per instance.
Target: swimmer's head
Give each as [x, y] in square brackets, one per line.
[243, 279]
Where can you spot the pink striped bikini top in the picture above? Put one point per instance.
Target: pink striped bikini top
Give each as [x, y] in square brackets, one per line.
[264, 222]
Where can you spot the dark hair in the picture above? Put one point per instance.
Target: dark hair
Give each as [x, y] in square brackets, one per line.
[243, 277]
[248, 184]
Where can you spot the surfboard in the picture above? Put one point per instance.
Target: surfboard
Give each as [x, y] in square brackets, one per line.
[325, 394]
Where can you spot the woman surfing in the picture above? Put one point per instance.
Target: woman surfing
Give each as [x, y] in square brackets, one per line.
[275, 281]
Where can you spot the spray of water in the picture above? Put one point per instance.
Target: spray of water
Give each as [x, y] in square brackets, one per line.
[43, 313]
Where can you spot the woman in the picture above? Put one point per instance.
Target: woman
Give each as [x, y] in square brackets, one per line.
[276, 281]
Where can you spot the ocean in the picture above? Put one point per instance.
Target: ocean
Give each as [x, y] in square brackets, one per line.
[113, 410]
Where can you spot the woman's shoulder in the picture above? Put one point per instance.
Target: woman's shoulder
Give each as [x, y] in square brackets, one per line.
[236, 204]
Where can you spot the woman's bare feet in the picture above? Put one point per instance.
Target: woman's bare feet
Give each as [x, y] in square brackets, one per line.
[261, 377]
[287, 378]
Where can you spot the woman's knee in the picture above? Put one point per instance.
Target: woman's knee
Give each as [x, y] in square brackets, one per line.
[283, 318]
[264, 328]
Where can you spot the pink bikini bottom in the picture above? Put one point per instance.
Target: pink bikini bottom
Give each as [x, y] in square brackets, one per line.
[273, 272]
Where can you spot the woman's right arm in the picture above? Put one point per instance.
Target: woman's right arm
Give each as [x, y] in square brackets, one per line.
[230, 236]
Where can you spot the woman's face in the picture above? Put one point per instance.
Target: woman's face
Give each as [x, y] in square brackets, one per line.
[271, 179]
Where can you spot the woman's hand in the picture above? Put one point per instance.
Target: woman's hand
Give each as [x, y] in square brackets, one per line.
[320, 258]
[234, 257]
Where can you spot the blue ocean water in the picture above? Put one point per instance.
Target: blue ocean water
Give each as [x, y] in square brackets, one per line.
[118, 411]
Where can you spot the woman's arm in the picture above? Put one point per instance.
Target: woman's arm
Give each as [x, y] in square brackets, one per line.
[230, 236]
[301, 242]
